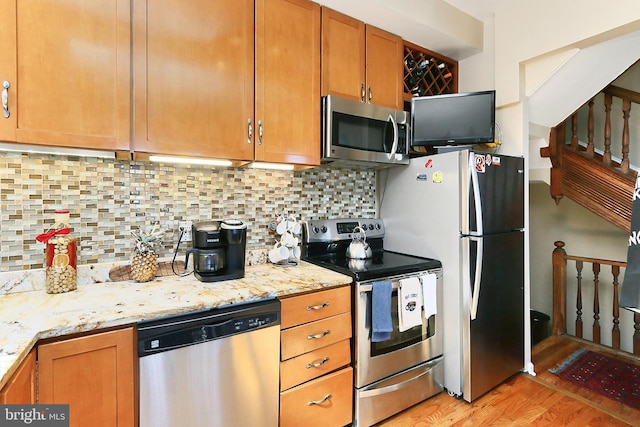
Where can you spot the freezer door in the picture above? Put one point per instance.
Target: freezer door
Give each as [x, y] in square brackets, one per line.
[500, 181]
[493, 342]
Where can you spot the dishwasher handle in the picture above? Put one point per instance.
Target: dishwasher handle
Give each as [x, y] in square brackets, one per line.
[205, 332]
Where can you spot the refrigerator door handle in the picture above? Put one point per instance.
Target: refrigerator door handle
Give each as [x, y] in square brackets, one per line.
[473, 307]
[477, 200]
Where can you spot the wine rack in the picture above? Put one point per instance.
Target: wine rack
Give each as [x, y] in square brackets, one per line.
[428, 73]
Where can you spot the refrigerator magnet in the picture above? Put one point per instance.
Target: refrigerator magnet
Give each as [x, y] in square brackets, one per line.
[437, 177]
[480, 163]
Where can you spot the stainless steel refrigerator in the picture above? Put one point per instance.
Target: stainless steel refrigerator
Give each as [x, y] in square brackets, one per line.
[467, 210]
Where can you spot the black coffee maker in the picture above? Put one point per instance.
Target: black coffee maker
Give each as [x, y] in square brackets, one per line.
[218, 250]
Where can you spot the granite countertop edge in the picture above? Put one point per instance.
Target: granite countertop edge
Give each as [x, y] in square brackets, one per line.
[27, 317]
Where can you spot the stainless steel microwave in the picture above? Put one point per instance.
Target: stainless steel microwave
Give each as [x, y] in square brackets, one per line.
[359, 133]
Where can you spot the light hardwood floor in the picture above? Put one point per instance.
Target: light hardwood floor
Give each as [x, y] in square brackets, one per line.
[543, 400]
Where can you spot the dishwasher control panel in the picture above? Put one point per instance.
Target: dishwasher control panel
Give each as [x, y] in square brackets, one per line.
[180, 331]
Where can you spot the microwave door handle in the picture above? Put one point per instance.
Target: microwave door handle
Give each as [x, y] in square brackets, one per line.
[394, 147]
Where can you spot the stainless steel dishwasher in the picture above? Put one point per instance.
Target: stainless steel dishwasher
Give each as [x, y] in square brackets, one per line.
[217, 367]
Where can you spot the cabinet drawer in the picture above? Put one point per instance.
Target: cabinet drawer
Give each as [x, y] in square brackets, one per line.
[314, 364]
[307, 308]
[311, 336]
[332, 394]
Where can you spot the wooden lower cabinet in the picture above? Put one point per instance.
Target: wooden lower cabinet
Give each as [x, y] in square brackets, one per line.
[94, 374]
[21, 388]
[316, 379]
[326, 401]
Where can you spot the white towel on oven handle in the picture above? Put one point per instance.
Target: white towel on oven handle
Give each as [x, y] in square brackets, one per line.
[409, 304]
[429, 294]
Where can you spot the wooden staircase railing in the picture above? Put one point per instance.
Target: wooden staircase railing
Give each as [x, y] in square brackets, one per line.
[590, 178]
[598, 266]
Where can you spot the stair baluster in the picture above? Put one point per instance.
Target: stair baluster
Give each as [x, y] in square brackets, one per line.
[559, 260]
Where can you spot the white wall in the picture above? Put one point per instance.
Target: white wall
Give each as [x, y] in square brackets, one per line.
[526, 30]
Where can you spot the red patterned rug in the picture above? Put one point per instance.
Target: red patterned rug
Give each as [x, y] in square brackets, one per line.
[613, 378]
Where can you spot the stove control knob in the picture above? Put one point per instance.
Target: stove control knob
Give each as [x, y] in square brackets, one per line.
[370, 226]
[378, 226]
[323, 229]
[315, 229]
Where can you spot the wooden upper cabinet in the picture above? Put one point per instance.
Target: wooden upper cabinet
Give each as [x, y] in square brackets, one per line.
[360, 62]
[94, 374]
[193, 77]
[68, 68]
[384, 68]
[287, 105]
[343, 60]
[21, 388]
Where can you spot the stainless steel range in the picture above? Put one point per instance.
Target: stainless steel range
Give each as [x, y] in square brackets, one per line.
[406, 367]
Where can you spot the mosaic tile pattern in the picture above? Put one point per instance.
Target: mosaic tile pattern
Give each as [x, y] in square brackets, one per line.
[109, 198]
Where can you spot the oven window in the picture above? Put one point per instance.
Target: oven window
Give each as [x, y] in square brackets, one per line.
[361, 133]
[404, 339]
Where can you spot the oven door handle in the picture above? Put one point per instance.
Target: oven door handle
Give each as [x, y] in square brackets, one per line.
[395, 282]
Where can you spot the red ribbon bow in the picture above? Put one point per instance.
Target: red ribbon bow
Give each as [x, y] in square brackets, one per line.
[44, 237]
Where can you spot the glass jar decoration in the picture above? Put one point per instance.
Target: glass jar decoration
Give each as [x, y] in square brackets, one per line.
[60, 255]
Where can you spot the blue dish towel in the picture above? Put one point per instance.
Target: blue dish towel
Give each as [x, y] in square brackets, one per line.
[381, 324]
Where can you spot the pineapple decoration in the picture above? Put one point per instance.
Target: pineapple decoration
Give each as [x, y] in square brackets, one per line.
[144, 263]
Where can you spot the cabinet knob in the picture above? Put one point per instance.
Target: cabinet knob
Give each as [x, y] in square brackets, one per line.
[5, 99]
[250, 131]
[259, 132]
[370, 94]
[362, 92]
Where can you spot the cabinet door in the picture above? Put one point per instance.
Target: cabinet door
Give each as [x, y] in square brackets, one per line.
[94, 374]
[287, 109]
[68, 66]
[384, 68]
[343, 62]
[21, 388]
[193, 77]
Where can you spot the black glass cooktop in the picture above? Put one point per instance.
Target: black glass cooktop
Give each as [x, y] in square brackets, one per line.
[382, 264]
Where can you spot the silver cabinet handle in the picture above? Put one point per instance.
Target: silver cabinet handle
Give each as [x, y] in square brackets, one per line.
[320, 335]
[5, 99]
[370, 94]
[250, 132]
[318, 307]
[318, 363]
[362, 92]
[259, 132]
[321, 401]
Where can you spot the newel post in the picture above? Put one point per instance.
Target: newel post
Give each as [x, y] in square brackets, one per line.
[559, 289]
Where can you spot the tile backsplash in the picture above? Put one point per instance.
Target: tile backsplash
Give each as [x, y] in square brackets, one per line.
[108, 198]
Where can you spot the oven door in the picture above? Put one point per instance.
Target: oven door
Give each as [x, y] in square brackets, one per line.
[375, 361]
[357, 131]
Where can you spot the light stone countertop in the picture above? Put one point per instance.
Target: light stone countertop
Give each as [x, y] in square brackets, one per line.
[26, 317]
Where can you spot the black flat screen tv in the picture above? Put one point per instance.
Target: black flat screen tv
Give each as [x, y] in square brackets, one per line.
[453, 119]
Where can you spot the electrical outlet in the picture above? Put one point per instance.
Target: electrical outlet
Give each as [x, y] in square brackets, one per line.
[184, 227]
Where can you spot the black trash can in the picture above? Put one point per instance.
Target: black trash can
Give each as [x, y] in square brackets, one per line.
[539, 326]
